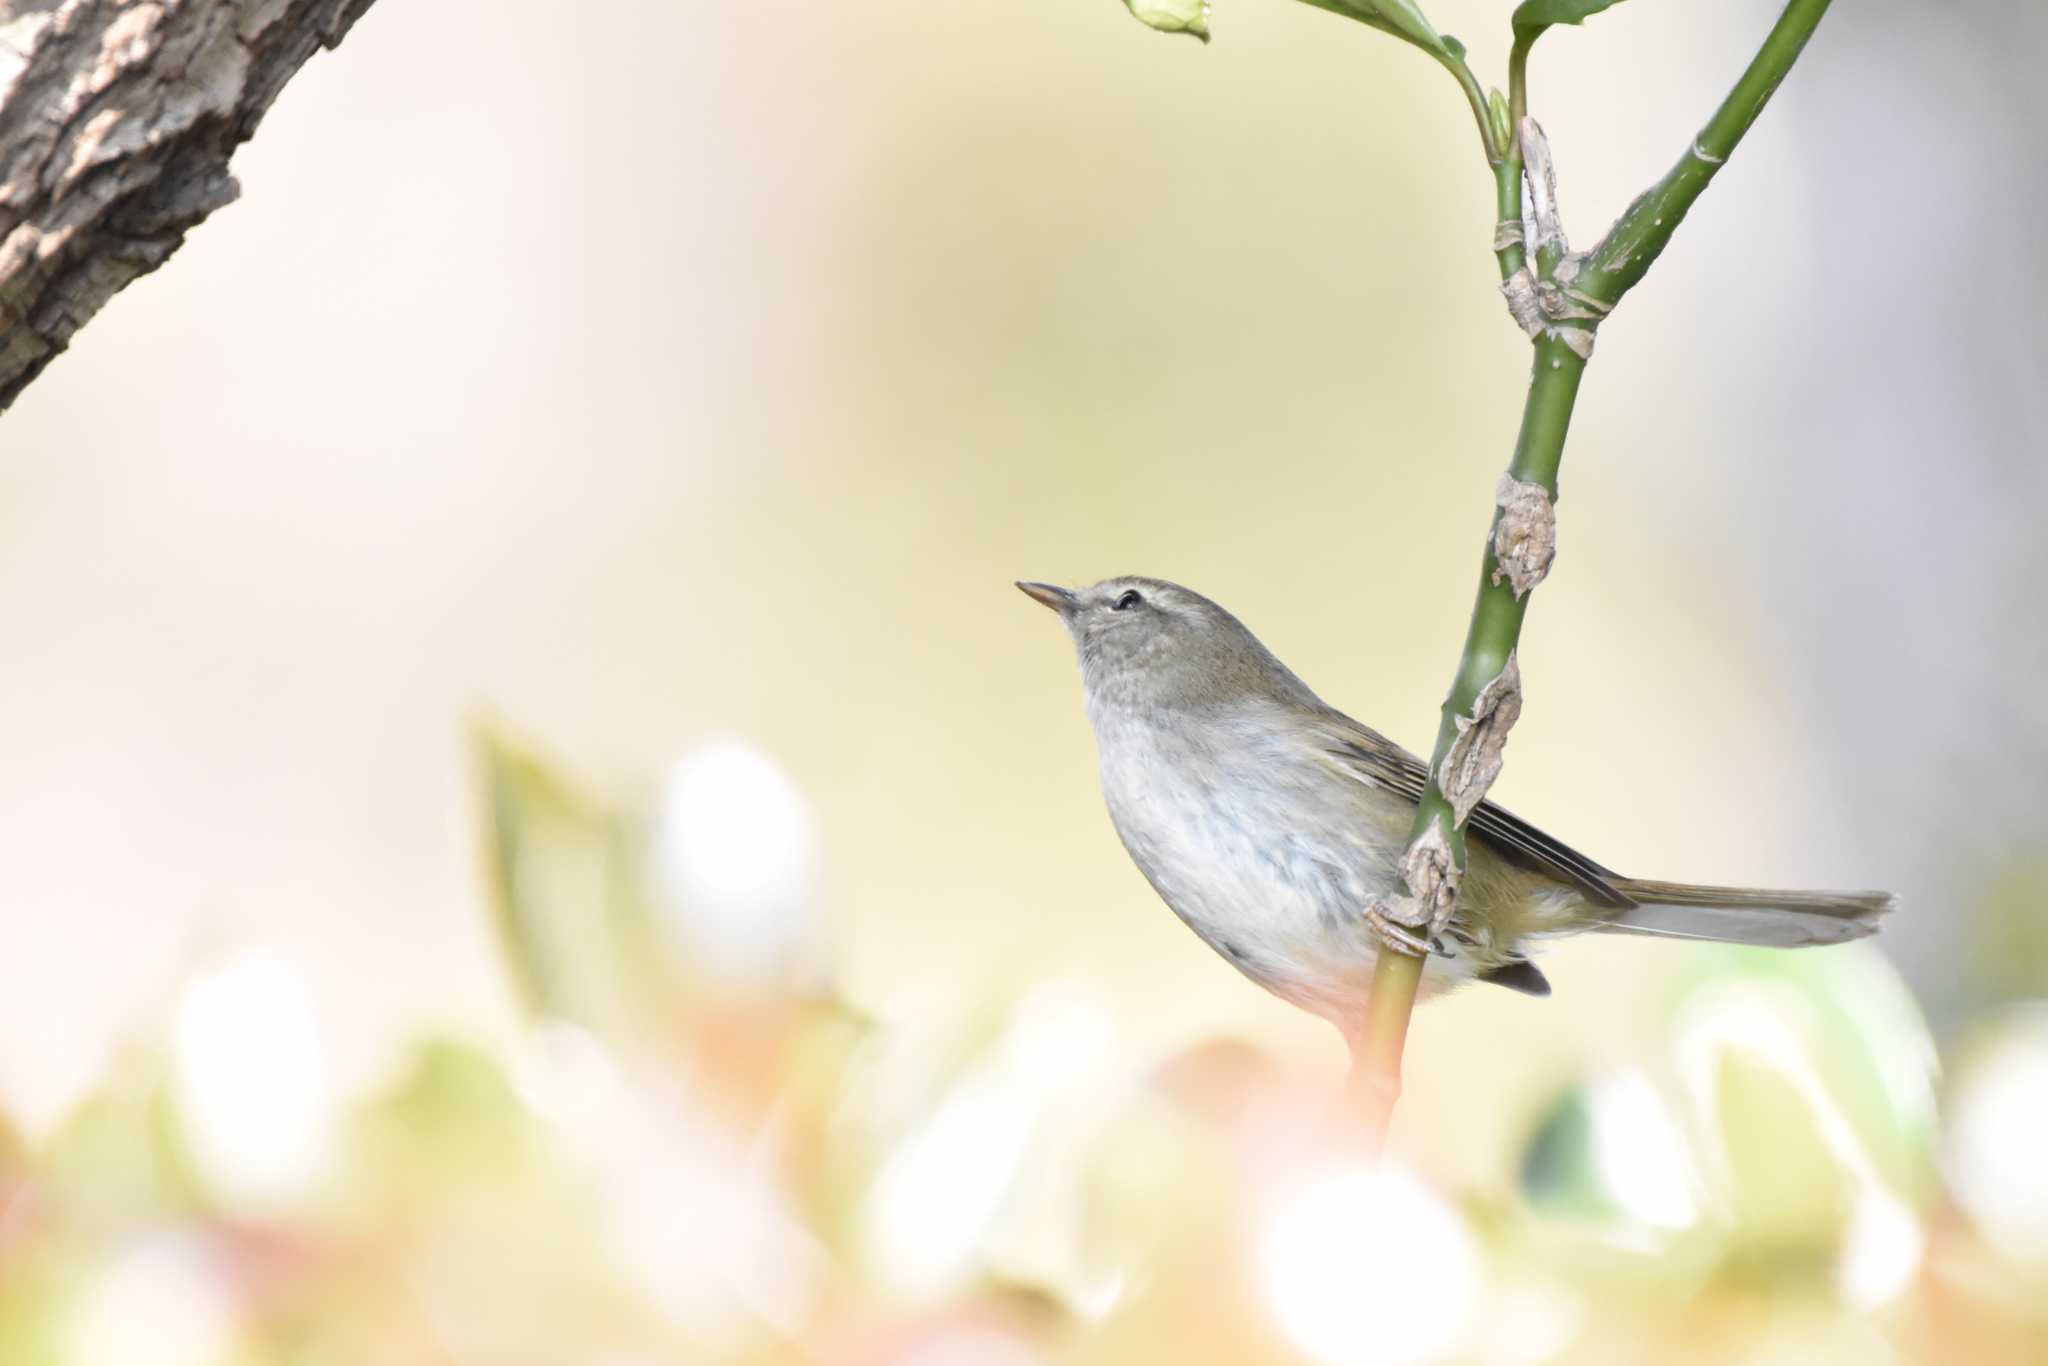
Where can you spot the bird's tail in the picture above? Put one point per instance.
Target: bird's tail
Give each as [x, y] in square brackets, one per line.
[1745, 915]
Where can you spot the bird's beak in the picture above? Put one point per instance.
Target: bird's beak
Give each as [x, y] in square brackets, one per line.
[1060, 600]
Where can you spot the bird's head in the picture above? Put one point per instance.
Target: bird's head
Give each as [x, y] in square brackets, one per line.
[1149, 644]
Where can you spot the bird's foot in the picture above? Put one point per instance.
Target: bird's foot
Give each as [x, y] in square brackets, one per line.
[1395, 933]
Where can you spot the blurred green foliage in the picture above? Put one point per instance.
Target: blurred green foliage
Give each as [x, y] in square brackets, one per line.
[677, 1165]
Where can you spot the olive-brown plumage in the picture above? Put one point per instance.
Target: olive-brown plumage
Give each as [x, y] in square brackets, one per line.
[1269, 821]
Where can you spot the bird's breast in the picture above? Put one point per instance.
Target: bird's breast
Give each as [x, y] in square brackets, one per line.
[1261, 852]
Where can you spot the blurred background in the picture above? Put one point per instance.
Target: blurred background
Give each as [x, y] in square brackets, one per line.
[537, 830]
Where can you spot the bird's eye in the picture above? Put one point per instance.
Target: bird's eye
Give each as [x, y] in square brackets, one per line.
[1131, 598]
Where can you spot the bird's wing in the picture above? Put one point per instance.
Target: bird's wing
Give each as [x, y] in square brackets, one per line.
[1366, 754]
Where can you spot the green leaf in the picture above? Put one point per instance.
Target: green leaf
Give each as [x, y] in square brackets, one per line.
[1173, 16]
[1399, 17]
[557, 876]
[1533, 16]
[1497, 115]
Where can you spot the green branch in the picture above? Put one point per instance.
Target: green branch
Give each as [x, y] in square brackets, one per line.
[1633, 244]
[1559, 298]
[1453, 58]
[1401, 19]
[1507, 241]
[1518, 76]
[1507, 173]
[1495, 631]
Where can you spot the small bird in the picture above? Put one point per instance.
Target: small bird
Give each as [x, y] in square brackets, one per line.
[1271, 822]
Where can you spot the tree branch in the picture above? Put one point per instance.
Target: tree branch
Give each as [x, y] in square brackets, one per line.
[1625, 255]
[1453, 61]
[1490, 641]
[1580, 291]
[117, 119]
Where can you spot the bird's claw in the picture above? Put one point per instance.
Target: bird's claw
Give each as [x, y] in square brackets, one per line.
[1393, 934]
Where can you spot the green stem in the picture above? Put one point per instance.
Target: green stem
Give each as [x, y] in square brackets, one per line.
[1475, 97]
[1507, 185]
[1507, 172]
[1376, 1064]
[1615, 266]
[1633, 244]
[1495, 630]
[1497, 614]
[1518, 76]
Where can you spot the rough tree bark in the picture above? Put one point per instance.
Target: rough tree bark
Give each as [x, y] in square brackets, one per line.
[117, 119]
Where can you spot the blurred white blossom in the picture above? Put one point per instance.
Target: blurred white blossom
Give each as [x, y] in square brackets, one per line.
[735, 860]
[254, 1101]
[1367, 1265]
